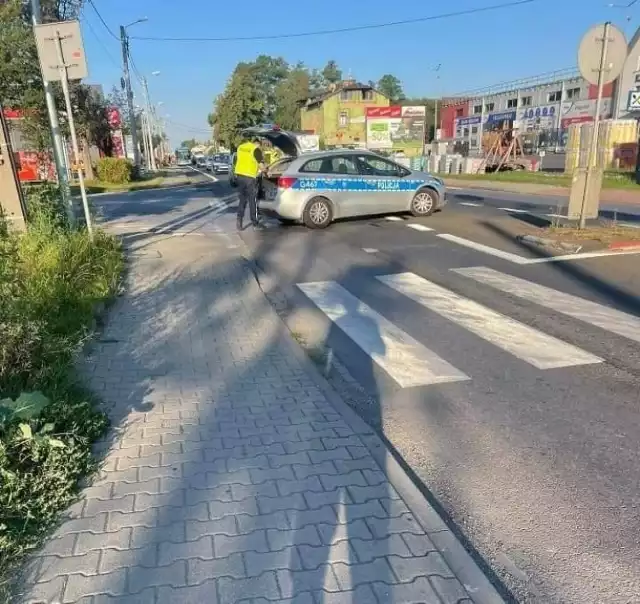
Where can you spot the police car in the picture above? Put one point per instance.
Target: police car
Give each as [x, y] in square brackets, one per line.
[318, 187]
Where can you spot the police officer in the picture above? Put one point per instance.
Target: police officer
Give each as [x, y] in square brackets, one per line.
[248, 167]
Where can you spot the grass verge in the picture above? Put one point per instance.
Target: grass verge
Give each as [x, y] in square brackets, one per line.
[51, 280]
[611, 180]
[153, 181]
[607, 232]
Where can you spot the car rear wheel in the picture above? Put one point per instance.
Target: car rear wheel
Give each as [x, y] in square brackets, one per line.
[424, 202]
[318, 214]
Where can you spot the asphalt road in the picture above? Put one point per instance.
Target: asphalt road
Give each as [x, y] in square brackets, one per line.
[516, 407]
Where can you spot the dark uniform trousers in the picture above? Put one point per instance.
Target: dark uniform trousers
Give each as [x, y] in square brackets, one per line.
[247, 192]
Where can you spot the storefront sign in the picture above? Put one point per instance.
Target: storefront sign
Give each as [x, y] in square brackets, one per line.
[502, 116]
[468, 121]
[633, 103]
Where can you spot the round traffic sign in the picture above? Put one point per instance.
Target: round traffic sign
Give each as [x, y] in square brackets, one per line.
[590, 53]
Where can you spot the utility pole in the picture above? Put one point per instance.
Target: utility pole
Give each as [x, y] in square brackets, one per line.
[56, 135]
[12, 207]
[127, 80]
[152, 159]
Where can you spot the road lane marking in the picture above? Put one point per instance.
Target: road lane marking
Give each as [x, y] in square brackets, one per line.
[526, 343]
[419, 227]
[213, 178]
[394, 218]
[514, 210]
[484, 248]
[580, 256]
[598, 315]
[405, 359]
[370, 250]
[469, 203]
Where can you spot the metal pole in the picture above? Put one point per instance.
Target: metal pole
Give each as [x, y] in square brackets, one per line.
[56, 135]
[593, 151]
[12, 204]
[64, 80]
[152, 160]
[127, 81]
[435, 120]
[145, 138]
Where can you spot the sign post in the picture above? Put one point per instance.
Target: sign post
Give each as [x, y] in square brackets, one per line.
[64, 42]
[601, 57]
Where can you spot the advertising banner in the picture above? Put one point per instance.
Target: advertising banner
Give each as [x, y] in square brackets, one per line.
[577, 112]
[395, 127]
[544, 117]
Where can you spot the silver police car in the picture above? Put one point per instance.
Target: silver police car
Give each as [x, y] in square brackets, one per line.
[318, 187]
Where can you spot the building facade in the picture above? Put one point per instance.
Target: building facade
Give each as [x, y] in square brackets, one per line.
[541, 109]
[338, 115]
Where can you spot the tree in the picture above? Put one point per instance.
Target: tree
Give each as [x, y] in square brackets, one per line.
[240, 105]
[189, 144]
[289, 93]
[92, 125]
[391, 87]
[331, 73]
[268, 73]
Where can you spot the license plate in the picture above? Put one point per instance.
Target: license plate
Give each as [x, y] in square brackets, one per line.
[271, 193]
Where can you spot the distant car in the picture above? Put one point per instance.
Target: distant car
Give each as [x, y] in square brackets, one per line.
[201, 162]
[316, 188]
[208, 164]
[221, 164]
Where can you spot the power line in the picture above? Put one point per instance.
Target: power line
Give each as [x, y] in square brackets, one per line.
[103, 21]
[104, 47]
[324, 32]
[187, 127]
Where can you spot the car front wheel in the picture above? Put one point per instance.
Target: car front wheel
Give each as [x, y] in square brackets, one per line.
[318, 214]
[424, 202]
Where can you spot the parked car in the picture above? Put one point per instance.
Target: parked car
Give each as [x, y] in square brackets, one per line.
[316, 188]
[208, 164]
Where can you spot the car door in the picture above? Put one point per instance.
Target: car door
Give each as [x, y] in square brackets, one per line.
[337, 177]
[383, 183]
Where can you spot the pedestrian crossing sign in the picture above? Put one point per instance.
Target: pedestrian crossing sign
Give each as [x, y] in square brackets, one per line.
[634, 101]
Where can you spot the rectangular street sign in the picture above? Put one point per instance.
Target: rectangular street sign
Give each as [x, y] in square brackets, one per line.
[634, 101]
[72, 50]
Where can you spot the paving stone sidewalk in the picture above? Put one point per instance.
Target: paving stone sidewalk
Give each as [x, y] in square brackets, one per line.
[231, 476]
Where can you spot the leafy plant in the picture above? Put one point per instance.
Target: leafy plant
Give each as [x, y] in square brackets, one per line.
[115, 170]
[27, 406]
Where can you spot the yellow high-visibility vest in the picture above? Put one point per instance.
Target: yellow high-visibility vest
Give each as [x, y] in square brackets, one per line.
[246, 164]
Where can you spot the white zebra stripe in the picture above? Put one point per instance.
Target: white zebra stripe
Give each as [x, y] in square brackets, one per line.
[526, 343]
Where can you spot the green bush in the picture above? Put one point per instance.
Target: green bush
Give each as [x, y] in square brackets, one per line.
[115, 170]
[45, 205]
[50, 280]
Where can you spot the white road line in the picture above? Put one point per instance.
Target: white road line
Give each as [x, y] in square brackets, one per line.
[419, 227]
[394, 218]
[514, 211]
[370, 250]
[406, 360]
[213, 178]
[581, 256]
[469, 203]
[598, 315]
[455, 188]
[484, 248]
[526, 343]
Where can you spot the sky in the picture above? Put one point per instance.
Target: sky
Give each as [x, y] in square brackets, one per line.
[473, 50]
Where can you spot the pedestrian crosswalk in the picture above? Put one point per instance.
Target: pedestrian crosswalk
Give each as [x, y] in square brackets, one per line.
[410, 362]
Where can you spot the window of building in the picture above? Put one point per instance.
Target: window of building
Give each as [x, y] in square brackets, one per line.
[367, 95]
[526, 101]
[556, 96]
[466, 132]
[477, 109]
[489, 107]
[474, 129]
[573, 93]
[459, 112]
[511, 103]
[343, 119]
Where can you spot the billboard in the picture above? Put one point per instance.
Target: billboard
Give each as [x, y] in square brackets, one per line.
[577, 112]
[395, 127]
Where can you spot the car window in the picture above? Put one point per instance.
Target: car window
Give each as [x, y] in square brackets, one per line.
[377, 166]
[331, 165]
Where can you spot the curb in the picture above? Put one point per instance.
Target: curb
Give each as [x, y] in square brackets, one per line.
[464, 567]
[624, 245]
[542, 241]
